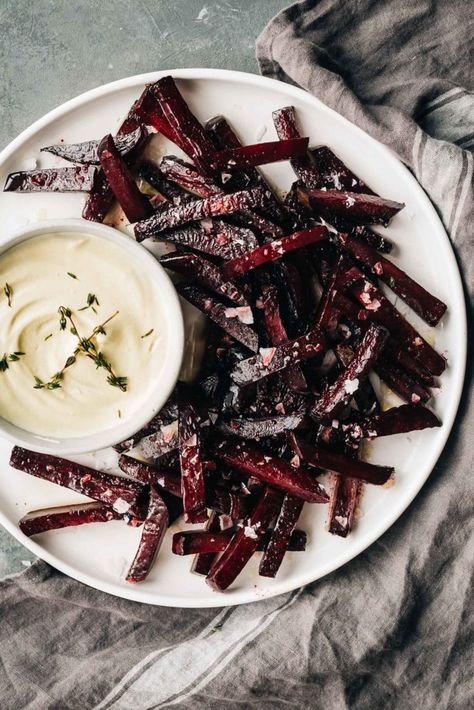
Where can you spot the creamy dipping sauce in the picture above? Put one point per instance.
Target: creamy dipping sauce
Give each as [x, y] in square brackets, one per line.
[40, 272]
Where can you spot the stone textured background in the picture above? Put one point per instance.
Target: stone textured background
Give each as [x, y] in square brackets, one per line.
[52, 50]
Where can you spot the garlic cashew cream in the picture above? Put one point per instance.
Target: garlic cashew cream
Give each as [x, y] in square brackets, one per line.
[82, 334]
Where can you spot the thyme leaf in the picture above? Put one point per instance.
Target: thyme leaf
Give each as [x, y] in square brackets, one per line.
[145, 335]
[8, 293]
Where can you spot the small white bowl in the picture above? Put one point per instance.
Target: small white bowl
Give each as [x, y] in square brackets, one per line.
[159, 390]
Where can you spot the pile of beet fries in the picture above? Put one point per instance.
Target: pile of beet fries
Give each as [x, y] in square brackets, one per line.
[297, 321]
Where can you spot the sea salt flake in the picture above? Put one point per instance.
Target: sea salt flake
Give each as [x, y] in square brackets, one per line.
[121, 506]
[378, 268]
[295, 461]
[243, 313]
[351, 386]
[350, 201]
[415, 398]
[250, 532]
[267, 355]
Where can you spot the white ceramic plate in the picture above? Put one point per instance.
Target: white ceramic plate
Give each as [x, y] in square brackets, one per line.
[98, 555]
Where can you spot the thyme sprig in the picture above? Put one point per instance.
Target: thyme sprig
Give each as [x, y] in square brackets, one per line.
[6, 359]
[87, 347]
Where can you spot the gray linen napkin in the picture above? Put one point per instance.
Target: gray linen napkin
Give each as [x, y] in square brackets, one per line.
[391, 629]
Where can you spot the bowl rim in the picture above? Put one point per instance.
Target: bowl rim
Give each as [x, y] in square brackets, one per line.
[158, 394]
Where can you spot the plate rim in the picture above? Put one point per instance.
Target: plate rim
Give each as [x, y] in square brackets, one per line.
[247, 595]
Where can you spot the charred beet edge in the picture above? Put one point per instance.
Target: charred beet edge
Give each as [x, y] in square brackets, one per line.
[259, 154]
[281, 536]
[153, 176]
[354, 206]
[285, 124]
[342, 505]
[39, 521]
[380, 310]
[431, 309]
[132, 201]
[273, 250]
[339, 394]
[292, 375]
[245, 542]
[118, 493]
[210, 542]
[77, 179]
[271, 360]
[192, 473]
[263, 427]
[169, 216]
[344, 465]
[154, 529]
[271, 470]
[88, 152]
[232, 320]
[183, 122]
[204, 273]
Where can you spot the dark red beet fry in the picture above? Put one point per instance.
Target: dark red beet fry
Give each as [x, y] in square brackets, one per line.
[169, 216]
[209, 542]
[271, 360]
[190, 178]
[154, 529]
[153, 176]
[393, 350]
[232, 320]
[382, 311]
[101, 198]
[192, 472]
[344, 465]
[147, 473]
[271, 470]
[339, 394]
[285, 125]
[273, 250]
[345, 494]
[364, 397]
[183, 122]
[205, 273]
[334, 174]
[161, 442]
[223, 241]
[292, 375]
[353, 206]
[225, 138]
[400, 381]
[245, 542]
[281, 535]
[259, 154]
[430, 308]
[135, 205]
[79, 178]
[397, 420]
[167, 414]
[118, 493]
[39, 521]
[87, 152]
[261, 427]
[203, 561]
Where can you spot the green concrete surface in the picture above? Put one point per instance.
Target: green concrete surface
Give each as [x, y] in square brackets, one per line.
[52, 50]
